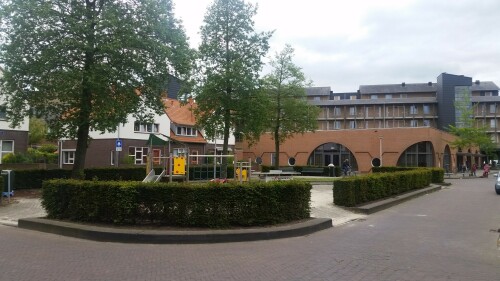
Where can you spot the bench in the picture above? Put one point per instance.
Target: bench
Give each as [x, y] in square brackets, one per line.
[273, 175]
[318, 171]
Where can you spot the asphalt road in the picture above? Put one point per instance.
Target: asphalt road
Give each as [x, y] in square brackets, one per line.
[451, 234]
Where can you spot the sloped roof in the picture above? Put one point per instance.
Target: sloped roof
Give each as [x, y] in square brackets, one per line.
[398, 88]
[484, 86]
[180, 114]
[318, 91]
[186, 139]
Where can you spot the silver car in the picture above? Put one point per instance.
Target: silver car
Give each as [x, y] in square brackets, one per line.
[497, 184]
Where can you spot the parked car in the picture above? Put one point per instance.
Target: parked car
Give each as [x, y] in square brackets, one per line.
[497, 184]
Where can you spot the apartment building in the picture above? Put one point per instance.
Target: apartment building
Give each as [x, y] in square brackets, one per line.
[390, 124]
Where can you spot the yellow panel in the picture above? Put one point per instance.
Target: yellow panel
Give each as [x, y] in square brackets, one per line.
[179, 165]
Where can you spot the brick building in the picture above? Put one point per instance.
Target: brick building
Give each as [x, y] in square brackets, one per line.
[395, 124]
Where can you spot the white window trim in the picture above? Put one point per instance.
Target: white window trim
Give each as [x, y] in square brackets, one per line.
[66, 159]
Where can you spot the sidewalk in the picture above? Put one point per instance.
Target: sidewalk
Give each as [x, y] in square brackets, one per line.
[27, 213]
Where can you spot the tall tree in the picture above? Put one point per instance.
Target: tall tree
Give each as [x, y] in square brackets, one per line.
[230, 57]
[81, 64]
[38, 130]
[468, 133]
[290, 113]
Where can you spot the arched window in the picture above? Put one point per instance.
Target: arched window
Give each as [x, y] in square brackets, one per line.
[332, 153]
[418, 155]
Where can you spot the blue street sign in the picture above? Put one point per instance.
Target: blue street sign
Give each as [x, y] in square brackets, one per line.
[118, 145]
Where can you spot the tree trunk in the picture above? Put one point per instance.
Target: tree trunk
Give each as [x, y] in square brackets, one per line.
[86, 97]
[277, 149]
[225, 146]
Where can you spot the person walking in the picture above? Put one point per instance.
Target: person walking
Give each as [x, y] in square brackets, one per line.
[473, 169]
[346, 167]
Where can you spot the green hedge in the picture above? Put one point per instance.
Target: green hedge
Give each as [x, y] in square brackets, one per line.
[25, 179]
[437, 173]
[353, 191]
[179, 204]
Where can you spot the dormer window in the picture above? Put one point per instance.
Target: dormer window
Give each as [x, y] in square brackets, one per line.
[146, 128]
[186, 131]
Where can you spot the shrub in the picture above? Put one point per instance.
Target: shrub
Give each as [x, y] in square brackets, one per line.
[353, 191]
[182, 204]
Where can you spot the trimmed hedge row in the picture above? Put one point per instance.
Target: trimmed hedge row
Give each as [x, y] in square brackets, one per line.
[178, 204]
[437, 173]
[25, 179]
[353, 191]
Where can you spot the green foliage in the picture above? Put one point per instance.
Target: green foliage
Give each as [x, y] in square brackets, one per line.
[181, 204]
[436, 177]
[27, 179]
[289, 112]
[78, 64]
[15, 158]
[353, 191]
[38, 130]
[230, 59]
[469, 135]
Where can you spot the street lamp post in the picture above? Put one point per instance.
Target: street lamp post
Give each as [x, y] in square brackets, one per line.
[380, 138]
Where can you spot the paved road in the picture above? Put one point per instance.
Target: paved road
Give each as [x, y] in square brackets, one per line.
[441, 236]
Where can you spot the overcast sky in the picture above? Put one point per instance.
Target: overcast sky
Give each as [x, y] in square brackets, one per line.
[345, 44]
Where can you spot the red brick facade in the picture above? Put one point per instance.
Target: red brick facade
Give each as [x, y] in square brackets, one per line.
[365, 145]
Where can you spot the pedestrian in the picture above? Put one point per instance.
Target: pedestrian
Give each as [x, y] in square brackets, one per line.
[473, 169]
[486, 170]
[346, 167]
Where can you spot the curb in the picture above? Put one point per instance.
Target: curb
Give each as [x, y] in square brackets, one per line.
[107, 234]
[371, 208]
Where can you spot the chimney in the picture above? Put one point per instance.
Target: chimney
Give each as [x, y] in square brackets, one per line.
[403, 84]
[477, 82]
[429, 83]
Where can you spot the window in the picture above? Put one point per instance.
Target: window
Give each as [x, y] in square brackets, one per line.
[427, 122]
[7, 147]
[138, 154]
[186, 131]
[352, 97]
[493, 108]
[493, 123]
[68, 157]
[3, 112]
[427, 109]
[317, 98]
[413, 123]
[336, 98]
[352, 110]
[388, 96]
[156, 156]
[146, 128]
[488, 94]
[413, 109]
[373, 97]
[179, 152]
[194, 160]
[337, 125]
[336, 111]
[352, 124]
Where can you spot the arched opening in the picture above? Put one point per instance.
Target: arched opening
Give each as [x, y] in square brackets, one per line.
[332, 153]
[447, 159]
[418, 155]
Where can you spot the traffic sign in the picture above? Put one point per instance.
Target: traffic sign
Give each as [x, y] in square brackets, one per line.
[118, 145]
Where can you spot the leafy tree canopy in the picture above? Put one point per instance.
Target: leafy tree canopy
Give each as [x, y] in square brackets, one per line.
[79, 64]
[468, 133]
[230, 58]
[289, 111]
